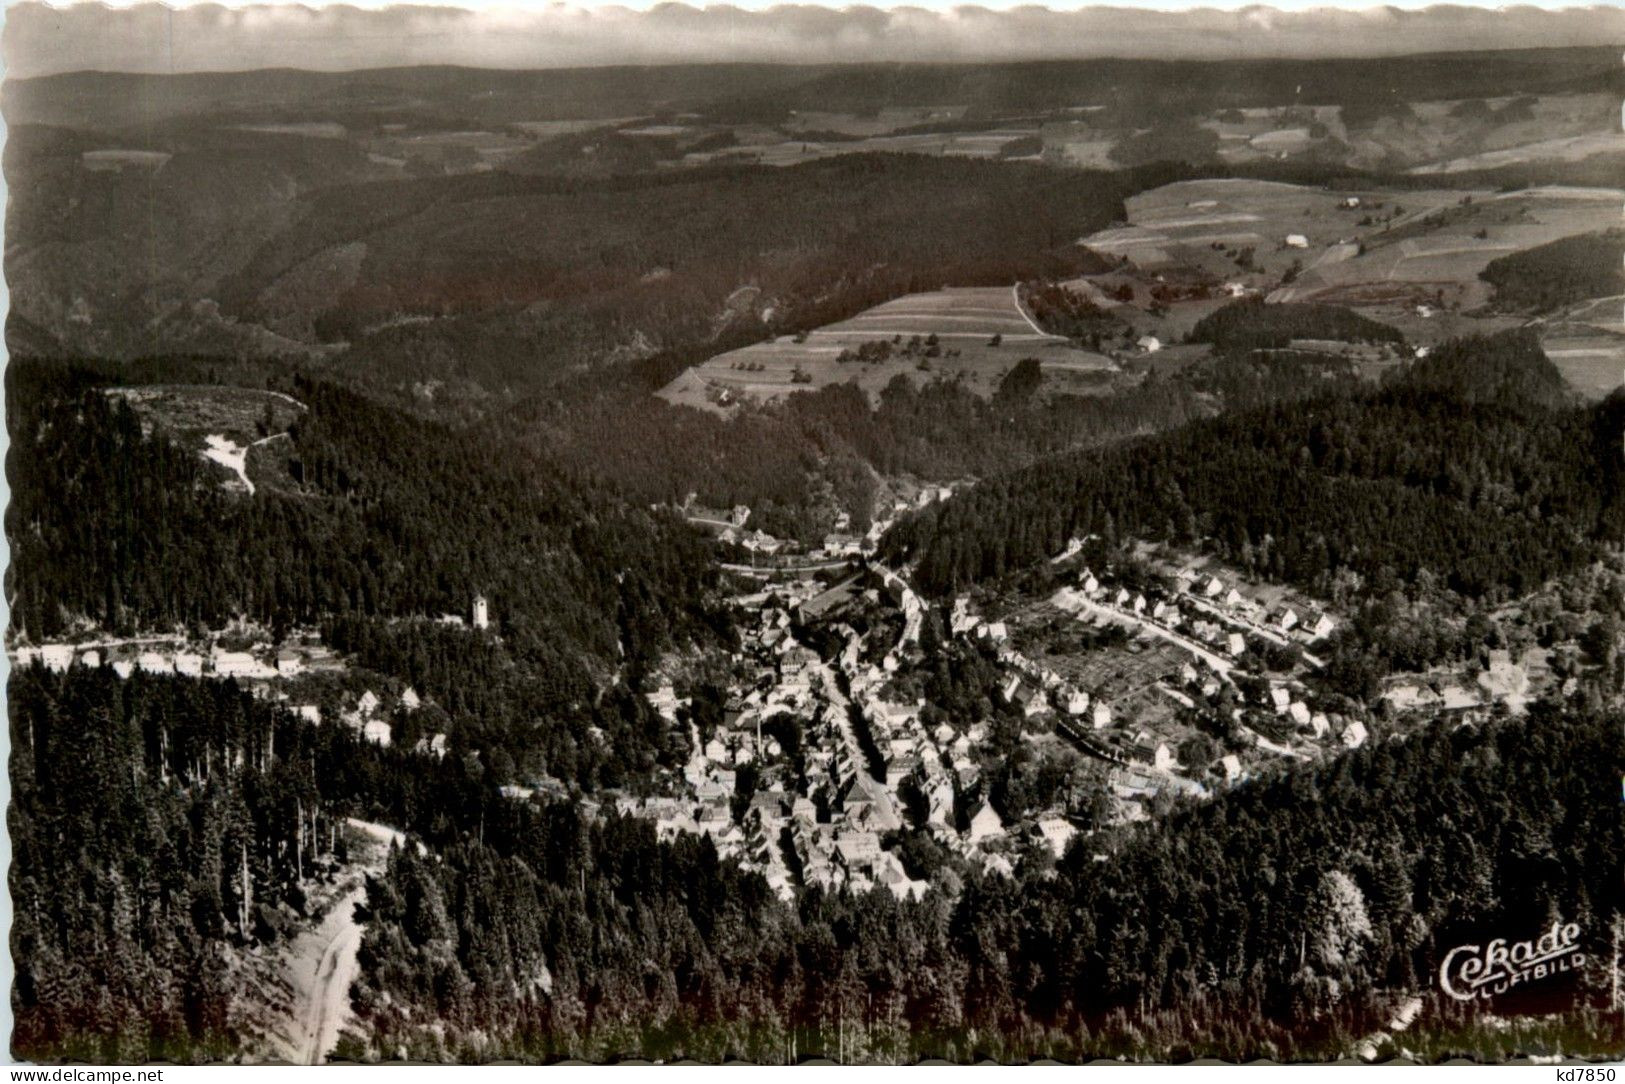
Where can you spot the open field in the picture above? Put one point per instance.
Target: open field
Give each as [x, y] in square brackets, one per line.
[1349, 239]
[1443, 250]
[192, 410]
[964, 322]
[882, 122]
[1206, 225]
[790, 152]
[115, 160]
[1408, 259]
[1563, 149]
[1591, 360]
[1605, 313]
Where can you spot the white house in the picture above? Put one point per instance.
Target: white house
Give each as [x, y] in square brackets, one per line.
[239, 664]
[1296, 240]
[1057, 833]
[986, 824]
[1011, 688]
[1354, 735]
[857, 850]
[1163, 758]
[1102, 715]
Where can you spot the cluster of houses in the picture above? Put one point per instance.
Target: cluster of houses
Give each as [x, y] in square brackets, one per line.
[1209, 610]
[127, 659]
[368, 719]
[824, 819]
[1210, 619]
[260, 669]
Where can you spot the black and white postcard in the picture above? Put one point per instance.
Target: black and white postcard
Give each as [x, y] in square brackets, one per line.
[845, 535]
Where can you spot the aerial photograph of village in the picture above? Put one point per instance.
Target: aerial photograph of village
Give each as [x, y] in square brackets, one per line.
[812, 536]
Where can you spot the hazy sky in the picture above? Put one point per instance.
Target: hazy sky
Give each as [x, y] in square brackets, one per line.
[41, 39]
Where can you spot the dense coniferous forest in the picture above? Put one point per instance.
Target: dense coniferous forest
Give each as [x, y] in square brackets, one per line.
[473, 338]
[528, 706]
[1250, 324]
[363, 523]
[156, 824]
[1509, 369]
[1551, 276]
[779, 458]
[1275, 921]
[1279, 920]
[372, 514]
[1490, 496]
[526, 276]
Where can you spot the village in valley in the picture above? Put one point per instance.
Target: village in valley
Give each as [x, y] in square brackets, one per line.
[1096, 691]
[867, 738]
[1120, 686]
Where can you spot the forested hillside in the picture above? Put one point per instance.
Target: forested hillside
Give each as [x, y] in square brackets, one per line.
[374, 525]
[156, 825]
[1488, 497]
[778, 458]
[1250, 324]
[373, 514]
[783, 458]
[1509, 369]
[448, 290]
[1551, 276]
[1276, 921]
